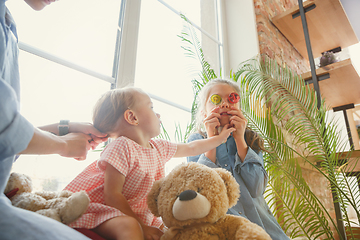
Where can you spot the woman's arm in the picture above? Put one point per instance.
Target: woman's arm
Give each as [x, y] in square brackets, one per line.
[200, 146]
[74, 145]
[79, 127]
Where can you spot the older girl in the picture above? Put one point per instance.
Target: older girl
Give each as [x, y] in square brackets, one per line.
[241, 154]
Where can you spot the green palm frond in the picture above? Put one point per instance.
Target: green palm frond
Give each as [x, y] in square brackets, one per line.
[292, 198]
[193, 49]
[293, 106]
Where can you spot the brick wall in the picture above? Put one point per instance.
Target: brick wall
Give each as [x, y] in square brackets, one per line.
[275, 45]
[271, 41]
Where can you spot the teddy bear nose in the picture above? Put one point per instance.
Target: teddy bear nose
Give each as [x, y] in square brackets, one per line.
[187, 195]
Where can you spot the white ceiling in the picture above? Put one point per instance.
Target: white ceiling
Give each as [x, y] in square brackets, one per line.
[352, 8]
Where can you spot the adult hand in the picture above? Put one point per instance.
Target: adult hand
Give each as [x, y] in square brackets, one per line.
[152, 233]
[87, 128]
[212, 122]
[76, 145]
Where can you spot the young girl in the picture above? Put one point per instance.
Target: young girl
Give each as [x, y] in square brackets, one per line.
[118, 183]
[241, 154]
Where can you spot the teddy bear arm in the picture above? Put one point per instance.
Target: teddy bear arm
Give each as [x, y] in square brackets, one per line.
[51, 195]
[51, 213]
[29, 201]
[245, 229]
[208, 233]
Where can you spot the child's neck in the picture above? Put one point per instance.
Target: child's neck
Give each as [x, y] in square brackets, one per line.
[144, 142]
[133, 133]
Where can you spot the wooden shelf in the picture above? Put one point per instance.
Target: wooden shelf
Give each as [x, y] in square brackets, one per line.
[353, 161]
[343, 86]
[328, 26]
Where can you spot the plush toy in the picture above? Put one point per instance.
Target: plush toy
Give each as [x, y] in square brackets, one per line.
[192, 201]
[63, 206]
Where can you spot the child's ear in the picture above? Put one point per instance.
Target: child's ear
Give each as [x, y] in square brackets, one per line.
[131, 117]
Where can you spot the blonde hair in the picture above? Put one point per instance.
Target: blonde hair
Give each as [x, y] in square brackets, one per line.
[111, 107]
[252, 138]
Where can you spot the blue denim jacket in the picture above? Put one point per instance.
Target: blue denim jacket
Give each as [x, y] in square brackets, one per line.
[15, 135]
[252, 178]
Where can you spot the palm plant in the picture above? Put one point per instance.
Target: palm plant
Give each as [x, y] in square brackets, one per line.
[283, 110]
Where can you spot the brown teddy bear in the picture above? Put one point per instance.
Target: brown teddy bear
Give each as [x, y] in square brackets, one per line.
[63, 206]
[193, 199]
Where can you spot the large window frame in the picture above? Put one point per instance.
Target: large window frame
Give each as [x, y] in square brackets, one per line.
[216, 48]
[216, 42]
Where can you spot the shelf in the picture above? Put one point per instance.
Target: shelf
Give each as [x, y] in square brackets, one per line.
[343, 86]
[328, 26]
[353, 159]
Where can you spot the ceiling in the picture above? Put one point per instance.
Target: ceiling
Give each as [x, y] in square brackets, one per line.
[352, 8]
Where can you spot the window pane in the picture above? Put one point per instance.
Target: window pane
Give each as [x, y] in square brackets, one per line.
[49, 93]
[81, 31]
[162, 68]
[190, 8]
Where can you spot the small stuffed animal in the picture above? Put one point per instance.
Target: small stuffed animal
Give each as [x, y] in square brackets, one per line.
[63, 206]
[192, 201]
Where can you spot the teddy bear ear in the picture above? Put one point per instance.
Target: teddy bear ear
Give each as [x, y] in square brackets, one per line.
[152, 197]
[233, 189]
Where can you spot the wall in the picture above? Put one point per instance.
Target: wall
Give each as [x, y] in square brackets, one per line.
[271, 41]
[275, 45]
[239, 31]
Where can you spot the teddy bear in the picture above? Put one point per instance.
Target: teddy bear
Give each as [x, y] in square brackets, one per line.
[63, 206]
[193, 200]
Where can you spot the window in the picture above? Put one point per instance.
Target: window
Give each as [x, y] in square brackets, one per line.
[85, 42]
[49, 91]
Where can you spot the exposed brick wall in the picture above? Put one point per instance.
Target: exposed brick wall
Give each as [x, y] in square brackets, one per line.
[275, 45]
[271, 41]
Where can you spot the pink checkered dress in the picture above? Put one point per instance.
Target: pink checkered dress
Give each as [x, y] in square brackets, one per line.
[141, 168]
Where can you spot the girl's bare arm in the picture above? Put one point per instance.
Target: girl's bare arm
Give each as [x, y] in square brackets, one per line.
[200, 146]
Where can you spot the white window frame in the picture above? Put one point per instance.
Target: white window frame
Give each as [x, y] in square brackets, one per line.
[215, 45]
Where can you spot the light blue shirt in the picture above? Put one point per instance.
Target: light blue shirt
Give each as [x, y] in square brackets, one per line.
[15, 135]
[252, 178]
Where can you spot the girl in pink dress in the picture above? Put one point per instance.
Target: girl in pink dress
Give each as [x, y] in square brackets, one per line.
[118, 183]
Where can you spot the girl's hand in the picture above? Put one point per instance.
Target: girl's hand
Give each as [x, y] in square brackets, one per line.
[225, 132]
[212, 122]
[152, 233]
[239, 122]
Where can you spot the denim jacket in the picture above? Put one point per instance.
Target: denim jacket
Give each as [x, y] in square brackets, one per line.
[252, 178]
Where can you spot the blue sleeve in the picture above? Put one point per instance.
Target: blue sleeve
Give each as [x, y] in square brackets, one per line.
[252, 172]
[15, 131]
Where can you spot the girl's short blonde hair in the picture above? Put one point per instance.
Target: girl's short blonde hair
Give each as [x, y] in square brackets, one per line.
[111, 107]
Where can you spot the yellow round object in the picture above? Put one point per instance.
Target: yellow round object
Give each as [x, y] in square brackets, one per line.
[215, 99]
